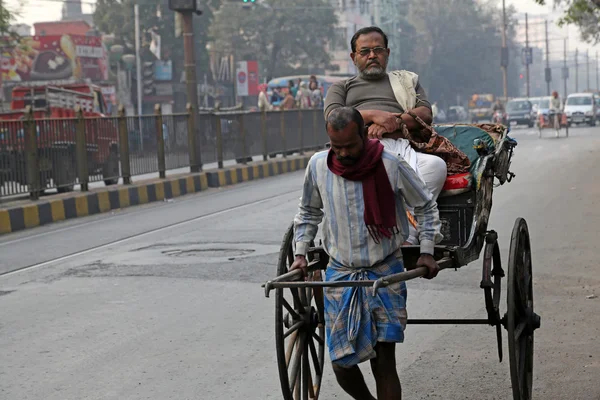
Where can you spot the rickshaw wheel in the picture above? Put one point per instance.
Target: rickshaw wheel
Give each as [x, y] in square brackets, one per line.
[491, 282]
[520, 319]
[299, 331]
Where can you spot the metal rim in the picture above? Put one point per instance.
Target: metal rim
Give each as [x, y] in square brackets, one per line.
[520, 318]
[299, 333]
[492, 285]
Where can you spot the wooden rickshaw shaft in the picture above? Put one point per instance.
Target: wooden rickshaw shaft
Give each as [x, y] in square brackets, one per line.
[291, 279]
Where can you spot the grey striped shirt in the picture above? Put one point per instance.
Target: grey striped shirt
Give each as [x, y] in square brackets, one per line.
[339, 203]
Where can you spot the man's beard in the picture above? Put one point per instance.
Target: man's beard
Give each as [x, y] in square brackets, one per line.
[348, 161]
[373, 72]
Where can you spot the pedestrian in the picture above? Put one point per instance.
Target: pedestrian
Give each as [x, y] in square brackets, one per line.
[316, 96]
[263, 101]
[303, 96]
[358, 190]
[289, 102]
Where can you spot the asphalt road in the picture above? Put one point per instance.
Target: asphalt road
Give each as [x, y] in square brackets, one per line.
[164, 301]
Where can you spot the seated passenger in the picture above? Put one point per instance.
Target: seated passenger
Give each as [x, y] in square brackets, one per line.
[382, 99]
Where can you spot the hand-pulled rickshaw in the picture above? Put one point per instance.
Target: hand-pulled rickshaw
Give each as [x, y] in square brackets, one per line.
[464, 206]
[554, 120]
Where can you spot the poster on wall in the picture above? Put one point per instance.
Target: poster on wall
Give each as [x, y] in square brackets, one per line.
[53, 58]
[247, 78]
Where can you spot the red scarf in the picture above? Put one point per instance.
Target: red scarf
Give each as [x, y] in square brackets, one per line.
[380, 201]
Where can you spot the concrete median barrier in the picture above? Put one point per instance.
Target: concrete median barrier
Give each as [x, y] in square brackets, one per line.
[27, 214]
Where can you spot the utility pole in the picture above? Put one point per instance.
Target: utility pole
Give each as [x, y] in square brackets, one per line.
[548, 72]
[565, 73]
[587, 69]
[504, 53]
[527, 52]
[192, 87]
[186, 9]
[138, 71]
[576, 70]
[597, 83]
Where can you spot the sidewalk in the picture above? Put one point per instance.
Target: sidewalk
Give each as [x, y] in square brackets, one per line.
[24, 213]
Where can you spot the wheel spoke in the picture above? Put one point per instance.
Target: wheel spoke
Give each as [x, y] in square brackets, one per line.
[297, 302]
[293, 329]
[519, 330]
[295, 375]
[289, 308]
[290, 349]
[315, 357]
[522, 360]
[311, 388]
[305, 371]
[290, 256]
[318, 338]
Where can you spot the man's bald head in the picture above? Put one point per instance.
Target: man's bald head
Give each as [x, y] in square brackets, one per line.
[346, 131]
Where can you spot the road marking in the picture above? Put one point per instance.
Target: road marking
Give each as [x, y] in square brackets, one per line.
[143, 208]
[150, 232]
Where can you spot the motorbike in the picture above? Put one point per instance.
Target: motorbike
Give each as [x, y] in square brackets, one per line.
[499, 118]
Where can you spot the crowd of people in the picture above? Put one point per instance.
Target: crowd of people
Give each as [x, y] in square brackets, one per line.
[300, 94]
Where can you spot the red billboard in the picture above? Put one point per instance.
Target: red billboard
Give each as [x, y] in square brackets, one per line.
[52, 58]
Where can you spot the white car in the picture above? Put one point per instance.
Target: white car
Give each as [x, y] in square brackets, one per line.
[581, 108]
[457, 114]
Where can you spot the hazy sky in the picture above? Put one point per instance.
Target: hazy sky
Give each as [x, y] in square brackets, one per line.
[50, 10]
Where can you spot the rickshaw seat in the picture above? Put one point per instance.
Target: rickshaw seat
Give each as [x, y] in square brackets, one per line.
[457, 184]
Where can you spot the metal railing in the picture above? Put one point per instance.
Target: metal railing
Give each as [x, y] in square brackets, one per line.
[37, 154]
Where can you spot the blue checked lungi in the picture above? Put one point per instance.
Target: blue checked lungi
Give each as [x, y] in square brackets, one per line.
[355, 320]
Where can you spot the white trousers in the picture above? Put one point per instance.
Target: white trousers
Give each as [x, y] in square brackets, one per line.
[431, 169]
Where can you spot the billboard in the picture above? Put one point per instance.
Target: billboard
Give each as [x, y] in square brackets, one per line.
[53, 58]
[247, 78]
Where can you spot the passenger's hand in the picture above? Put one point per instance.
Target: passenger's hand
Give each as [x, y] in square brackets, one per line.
[427, 260]
[300, 263]
[388, 120]
[376, 131]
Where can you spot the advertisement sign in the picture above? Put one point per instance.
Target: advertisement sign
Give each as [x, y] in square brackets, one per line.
[57, 57]
[247, 78]
[110, 94]
[163, 70]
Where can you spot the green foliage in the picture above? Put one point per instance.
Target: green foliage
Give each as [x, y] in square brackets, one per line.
[585, 14]
[283, 36]
[117, 17]
[7, 17]
[456, 50]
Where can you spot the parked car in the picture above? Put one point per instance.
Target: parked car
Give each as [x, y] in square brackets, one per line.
[457, 114]
[520, 112]
[543, 106]
[535, 102]
[581, 108]
[440, 117]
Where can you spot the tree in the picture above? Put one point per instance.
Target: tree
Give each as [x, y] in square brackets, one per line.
[585, 14]
[456, 49]
[282, 36]
[7, 17]
[117, 17]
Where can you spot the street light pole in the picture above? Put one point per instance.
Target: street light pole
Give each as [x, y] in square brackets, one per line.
[565, 69]
[504, 54]
[138, 62]
[527, 52]
[192, 87]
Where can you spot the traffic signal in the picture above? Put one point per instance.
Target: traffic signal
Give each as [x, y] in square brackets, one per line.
[244, 3]
[520, 76]
[148, 78]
